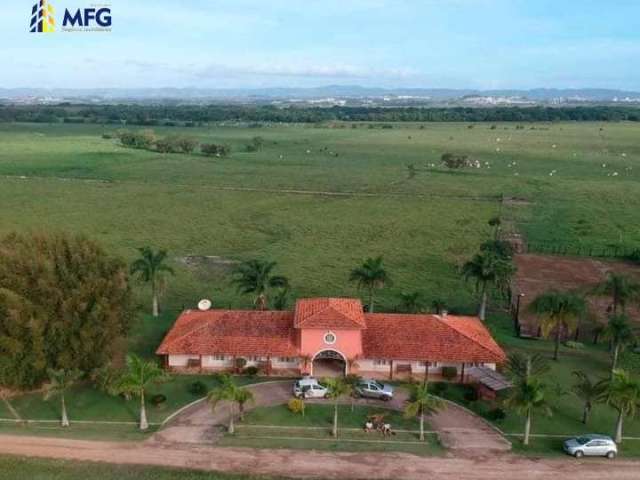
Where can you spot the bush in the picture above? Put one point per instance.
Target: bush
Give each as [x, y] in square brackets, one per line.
[449, 373]
[634, 256]
[452, 160]
[574, 345]
[497, 414]
[352, 379]
[107, 136]
[296, 405]
[252, 370]
[439, 388]
[470, 394]
[240, 363]
[213, 149]
[198, 388]
[158, 399]
[144, 139]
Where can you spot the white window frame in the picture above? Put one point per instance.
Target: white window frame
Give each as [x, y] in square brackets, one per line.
[332, 342]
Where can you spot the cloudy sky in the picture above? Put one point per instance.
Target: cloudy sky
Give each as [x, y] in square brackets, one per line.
[390, 43]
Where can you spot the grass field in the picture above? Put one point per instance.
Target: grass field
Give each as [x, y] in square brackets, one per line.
[277, 427]
[40, 469]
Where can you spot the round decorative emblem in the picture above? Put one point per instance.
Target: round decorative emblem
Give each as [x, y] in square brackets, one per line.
[329, 338]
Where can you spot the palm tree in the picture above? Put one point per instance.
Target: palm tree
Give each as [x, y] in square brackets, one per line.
[371, 275]
[139, 375]
[488, 268]
[623, 394]
[588, 391]
[496, 223]
[422, 402]
[558, 311]
[151, 268]
[622, 290]
[521, 366]
[526, 397]
[281, 298]
[255, 276]
[243, 397]
[59, 382]
[620, 333]
[336, 388]
[410, 302]
[228, 391]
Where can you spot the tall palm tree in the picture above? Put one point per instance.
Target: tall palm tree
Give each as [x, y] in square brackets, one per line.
[421, 402]
[256, 277]
[410, 302]
[229, 392]
[588, 391]
[620, 333]
[558, 311]
[139, 375]
[622, 392]
[488, 269]
[151, 268]
[371, 275]
[622, 290]
[336, 388]
[59, 382]
[526, 397]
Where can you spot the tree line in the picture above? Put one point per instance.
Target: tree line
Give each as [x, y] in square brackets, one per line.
[195, 115]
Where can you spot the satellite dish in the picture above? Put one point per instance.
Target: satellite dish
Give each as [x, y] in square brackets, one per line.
[204, 304]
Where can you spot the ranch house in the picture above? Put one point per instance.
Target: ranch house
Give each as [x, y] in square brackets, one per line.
[329, 337]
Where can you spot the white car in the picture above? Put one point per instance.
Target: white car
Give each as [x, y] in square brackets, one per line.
[309, 387]
[591, 445]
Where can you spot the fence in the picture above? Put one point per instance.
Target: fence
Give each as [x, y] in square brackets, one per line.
[600, 251]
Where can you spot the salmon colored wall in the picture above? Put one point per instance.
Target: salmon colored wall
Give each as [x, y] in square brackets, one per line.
[348, 342]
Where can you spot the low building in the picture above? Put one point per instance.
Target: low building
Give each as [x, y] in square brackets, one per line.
[329, 336]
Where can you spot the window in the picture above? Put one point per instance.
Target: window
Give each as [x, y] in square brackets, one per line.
[255, 359]
[329, 338]
[286, 359]
[380, 362]
[219, 358]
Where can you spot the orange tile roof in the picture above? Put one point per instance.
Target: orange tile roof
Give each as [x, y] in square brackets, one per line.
[336, 313]
[430, 338]
[231, 332]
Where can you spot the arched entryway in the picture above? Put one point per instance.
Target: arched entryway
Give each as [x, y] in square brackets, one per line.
[328, 363]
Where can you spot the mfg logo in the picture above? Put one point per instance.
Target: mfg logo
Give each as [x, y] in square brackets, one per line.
[85, 16]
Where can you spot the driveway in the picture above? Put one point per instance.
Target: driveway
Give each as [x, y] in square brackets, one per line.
[458, 429]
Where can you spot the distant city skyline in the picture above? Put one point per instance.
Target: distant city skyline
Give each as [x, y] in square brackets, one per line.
[474, 44]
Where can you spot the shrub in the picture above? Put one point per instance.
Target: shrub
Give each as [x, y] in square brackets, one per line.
[240, 363]
[140, 139]
[252, 370]
[296, 405]
[352, 379]
[198, 388]
[449, 373]
[574, 345]
[496, 414]
[158, 399]
[470, 394]
[107, 136]
[439, 388]
[452, 160]
[634, 256]
[213, 149]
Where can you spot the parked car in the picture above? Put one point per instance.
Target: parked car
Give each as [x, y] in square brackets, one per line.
[309, 387]
[373, 389]
[591, 445]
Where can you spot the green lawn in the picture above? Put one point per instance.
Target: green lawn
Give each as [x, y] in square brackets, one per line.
[12, 468]
[87, 404]
[277, 427]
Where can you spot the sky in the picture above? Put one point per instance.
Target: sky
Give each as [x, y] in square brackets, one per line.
[481, 44]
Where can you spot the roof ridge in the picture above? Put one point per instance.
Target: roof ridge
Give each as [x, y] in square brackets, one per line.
[466, 335]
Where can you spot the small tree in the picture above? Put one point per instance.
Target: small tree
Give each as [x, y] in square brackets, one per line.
[623, 394]
[488, 269]
[227, 391]
[421, 402]
[371, 275]
[139, 375]
[336, 388]
[588, 391]
[620, 333]
[243, 397]
[557, 311]
[151, 268]
[59, 382]
[622, 290]
[296, 405]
